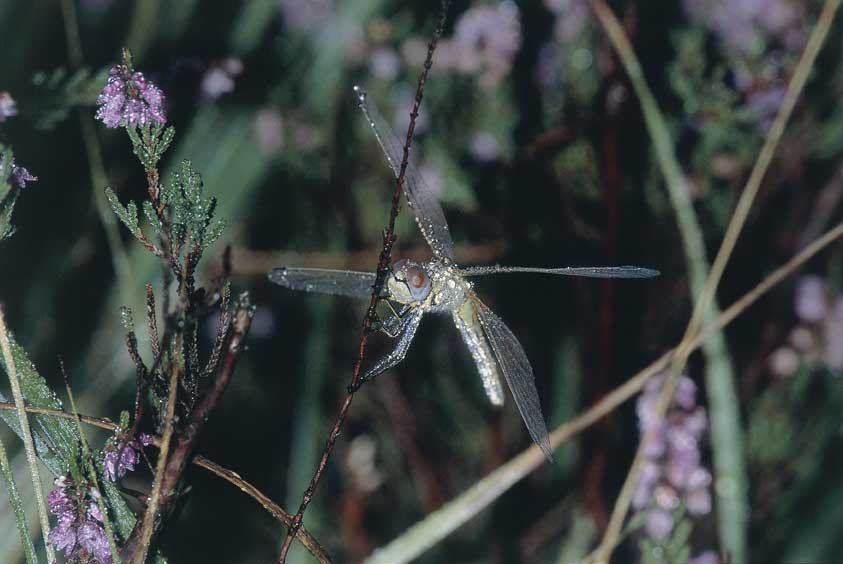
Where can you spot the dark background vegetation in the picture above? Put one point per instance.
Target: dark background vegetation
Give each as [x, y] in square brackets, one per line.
[571, 182]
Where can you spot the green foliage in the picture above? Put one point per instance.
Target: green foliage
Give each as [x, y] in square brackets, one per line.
[193, 224]
[57, 440]
[128, 215]
[17, 505]
[61, 90]
[178, 212]
[8, 193]
[150, 142]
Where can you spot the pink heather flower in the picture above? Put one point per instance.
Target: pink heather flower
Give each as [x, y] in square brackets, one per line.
[811, 302]
[744, 25]
[219, 78]
[485, 147]
[707, 557]
[486, 39]
[92, 539]
[306, 15]
[269, 133]
[672, 472]
[8, 106]
[384, 63]
[572, 18]
[659, 524]
[129, 100]
[122, 457]
[783, 362]
[79, 534]
[19, 176]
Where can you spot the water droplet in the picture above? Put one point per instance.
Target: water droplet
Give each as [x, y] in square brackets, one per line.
[126, 318]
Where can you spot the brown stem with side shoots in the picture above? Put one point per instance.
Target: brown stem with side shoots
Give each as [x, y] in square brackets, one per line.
[371, 313]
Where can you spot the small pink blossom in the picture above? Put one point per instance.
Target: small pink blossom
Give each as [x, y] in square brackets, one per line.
[129, 100]
[8, 106]
[121, 458]
[18, 176]
[79, 534]
[672, 473]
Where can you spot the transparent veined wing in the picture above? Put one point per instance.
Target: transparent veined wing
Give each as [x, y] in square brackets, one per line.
[586, 271]
[324, 281]
[517, 372]
[465, 318]
[429, 215]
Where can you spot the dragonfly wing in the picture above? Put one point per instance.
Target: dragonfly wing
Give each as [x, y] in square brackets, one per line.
[586, 271]
[429, 215]
[465, 318]
[518, 373]
[324, 281]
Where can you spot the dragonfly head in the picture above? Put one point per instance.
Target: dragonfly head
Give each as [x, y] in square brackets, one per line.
[408, 282]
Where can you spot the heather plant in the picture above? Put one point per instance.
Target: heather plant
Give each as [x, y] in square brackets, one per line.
[177, 386]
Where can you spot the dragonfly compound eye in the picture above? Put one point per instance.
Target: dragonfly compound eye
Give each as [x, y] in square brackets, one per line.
[418, 282]
[414, 278]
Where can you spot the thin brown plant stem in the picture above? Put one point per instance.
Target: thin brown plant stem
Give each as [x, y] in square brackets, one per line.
[453, 514]
[149, 516]
[168, 474]
[230, 476]
[101, 422]
[382, 269]
[307, 540]
[738, 220]
[26, 432]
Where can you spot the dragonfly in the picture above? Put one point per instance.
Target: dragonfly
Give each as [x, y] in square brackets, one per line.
[439, 285]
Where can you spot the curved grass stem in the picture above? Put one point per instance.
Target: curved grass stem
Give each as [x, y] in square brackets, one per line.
[726, 435]
[31, 456]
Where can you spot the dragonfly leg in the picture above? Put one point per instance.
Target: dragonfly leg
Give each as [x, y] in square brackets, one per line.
[409, 324]
[395, 324]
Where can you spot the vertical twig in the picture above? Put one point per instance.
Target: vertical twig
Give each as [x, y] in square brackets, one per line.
[31, 456]
[149, 516]
[172, 461]
[382, 270]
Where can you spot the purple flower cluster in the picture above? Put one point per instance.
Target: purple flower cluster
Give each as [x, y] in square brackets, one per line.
[306, 15]
[486, 39]
[122, 456]
[219, 78]
[572, 18]
[129, 100]
[672, 473]
[8, 106]
[817, 340]
[744, 25]
[18, 176]
[79, 532]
